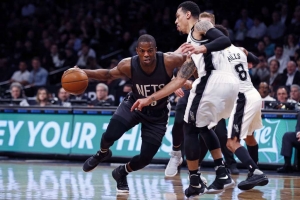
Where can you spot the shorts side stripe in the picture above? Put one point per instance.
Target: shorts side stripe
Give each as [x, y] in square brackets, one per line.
[238, 116]
[196, 101]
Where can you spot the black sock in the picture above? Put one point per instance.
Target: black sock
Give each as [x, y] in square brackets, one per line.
[178, 148]
[253, 151]
[219, 162]
[193, 171]
[244, 157]
[287, 160]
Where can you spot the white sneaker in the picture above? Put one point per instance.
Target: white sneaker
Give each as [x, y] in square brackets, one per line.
[174, 162]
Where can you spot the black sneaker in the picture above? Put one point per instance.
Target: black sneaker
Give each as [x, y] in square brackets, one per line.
[120, 176]
[257, 178]
[222, 181]
[196, 187]
[94, 160]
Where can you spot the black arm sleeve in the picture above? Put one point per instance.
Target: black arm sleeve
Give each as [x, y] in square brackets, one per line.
[218, 40]
[252, 58]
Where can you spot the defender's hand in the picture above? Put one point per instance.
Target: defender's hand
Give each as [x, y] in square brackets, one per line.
[179, 92]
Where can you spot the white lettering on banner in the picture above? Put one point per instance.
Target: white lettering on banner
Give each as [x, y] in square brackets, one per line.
[2, 132]
[130, 137]
[14, 131]
[87, 137]
[50, 125]
[33, 131]
[64, 142]
[168, 135]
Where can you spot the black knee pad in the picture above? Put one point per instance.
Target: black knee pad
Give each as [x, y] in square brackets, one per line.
[191, 142]
[210, 138]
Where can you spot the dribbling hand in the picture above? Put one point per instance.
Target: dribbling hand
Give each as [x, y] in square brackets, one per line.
[140, 104]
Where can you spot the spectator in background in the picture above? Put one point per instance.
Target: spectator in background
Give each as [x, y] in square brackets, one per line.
[292, 76]
[262, 68]
[295, 93]
[285, 15]
[264, 91]
[71, 58]
[282, 95]
[266, 15]
[289, 140]
[290, 46]
[276, 29]
[16, 91]
[38, 75]
[274, 79]
[41, 99]
[240, 33]
[258, 30]
[63, 98]
[102, 98]
[295, 25]
[261, 48]
[92, 63]
[281, 59]
[83, 54]
[22, 75]
[270, 46]
[244, 19]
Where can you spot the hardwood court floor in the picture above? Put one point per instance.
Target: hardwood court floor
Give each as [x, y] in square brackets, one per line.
[57, 180]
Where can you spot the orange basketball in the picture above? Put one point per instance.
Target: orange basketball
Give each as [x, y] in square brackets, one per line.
[74, 81]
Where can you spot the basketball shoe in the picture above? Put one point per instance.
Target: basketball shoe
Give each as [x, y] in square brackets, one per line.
[174, 162]
[120, 176]
[222, 181]
[94, 160]
[196, 187]
[257, 178]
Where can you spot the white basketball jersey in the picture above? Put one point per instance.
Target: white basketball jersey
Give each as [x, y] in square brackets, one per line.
[209, 61]
[239, 66]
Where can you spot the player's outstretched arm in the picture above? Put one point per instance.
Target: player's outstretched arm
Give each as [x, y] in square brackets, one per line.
[120, 71]
[218, 40]
[185, 72]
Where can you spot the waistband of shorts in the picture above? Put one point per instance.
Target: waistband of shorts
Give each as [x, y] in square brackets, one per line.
[203, 73]
[222, 72]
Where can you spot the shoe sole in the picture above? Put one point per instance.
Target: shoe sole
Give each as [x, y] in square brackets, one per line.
[104, 159]
[261, 182]
[229, 185]
[197, 195]
[213, 191]
[181, 160]
[122, 191]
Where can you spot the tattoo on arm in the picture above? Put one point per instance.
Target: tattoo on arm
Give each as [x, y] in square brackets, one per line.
[203, 25]
[187, 69]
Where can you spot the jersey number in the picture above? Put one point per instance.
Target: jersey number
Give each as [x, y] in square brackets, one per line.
[239, 68]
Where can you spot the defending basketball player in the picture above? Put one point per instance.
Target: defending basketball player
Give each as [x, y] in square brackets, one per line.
[212, 98]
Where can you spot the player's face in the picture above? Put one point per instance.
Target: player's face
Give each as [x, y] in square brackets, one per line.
[182, 22]
[146, 52]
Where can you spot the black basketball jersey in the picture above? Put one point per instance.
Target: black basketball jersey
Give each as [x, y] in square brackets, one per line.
[144, 85]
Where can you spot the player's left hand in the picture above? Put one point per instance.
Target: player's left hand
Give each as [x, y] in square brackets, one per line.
[141, 103]
[191, 49]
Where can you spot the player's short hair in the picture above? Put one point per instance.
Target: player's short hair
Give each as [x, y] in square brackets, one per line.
[190, 6]
[209, 15]
[222, 29]
[147, 38]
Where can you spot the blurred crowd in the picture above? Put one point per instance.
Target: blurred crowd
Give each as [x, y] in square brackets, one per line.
[41, 39]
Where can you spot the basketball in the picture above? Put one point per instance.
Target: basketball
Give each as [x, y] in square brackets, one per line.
[74, 81]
